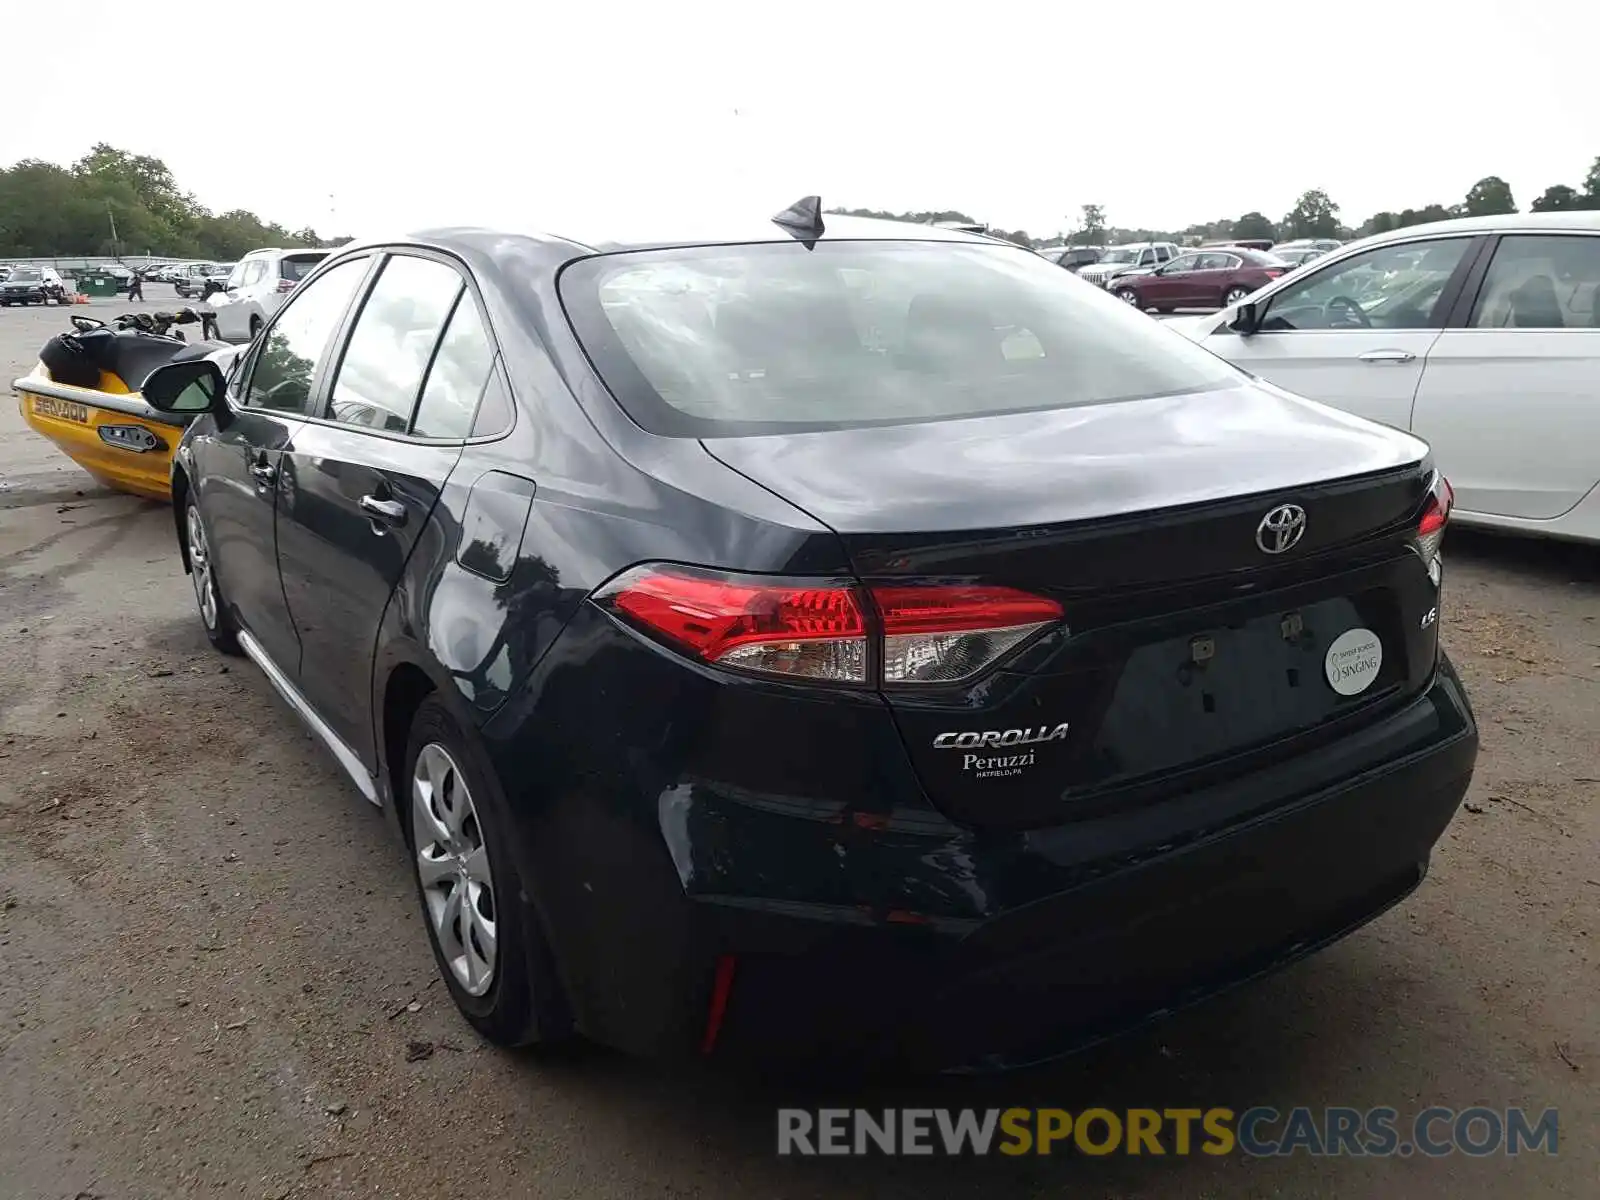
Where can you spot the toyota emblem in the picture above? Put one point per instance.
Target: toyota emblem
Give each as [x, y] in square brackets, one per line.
[1281, 529]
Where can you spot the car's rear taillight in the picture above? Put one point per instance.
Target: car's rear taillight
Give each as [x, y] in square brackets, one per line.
[1273, 272]
[1431, 525]
[825, 630]
[944, 634]
[286, 285]
[813, 629]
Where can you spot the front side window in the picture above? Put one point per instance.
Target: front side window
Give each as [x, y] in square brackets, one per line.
[1541, 282]
[722, 341]
[393, 339]
[287, 358]
[1185, 262]
[1391, 287]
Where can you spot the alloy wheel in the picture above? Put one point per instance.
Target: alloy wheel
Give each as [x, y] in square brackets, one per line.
[1128, 296]
[1234, 295]
[453, 867]
[205, 591]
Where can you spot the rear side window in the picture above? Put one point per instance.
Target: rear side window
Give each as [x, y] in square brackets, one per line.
[392, 343]
[457, 377]
[1541, 282]
[494, 410]
[720, 341]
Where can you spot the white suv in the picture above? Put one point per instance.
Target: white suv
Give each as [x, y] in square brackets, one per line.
[1120, 260]
[257, 287]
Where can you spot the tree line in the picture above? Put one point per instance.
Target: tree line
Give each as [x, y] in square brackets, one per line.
[115, 203]
[1314, 215]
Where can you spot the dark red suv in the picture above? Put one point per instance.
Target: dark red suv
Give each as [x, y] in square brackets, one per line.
[1212, 278]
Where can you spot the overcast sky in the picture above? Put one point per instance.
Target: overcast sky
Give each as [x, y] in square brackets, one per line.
[362, 116]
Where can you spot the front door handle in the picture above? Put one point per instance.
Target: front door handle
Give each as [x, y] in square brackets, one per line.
[1387, 356]
[390, 512]
[266, 474]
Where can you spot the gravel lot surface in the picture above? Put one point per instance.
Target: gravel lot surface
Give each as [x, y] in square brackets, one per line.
[214, 981]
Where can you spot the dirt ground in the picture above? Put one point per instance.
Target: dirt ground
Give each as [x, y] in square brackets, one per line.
[214, 981]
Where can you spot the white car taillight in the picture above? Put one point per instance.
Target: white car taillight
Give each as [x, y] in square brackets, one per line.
[823, 630]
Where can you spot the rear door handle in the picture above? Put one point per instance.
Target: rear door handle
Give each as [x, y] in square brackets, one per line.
[390, 512]
[1388, 356]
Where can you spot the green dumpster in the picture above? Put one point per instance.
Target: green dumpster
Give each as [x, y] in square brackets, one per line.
[96, 283]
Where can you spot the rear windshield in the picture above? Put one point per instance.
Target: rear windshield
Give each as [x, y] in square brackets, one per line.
[299, 266]
[725, 340]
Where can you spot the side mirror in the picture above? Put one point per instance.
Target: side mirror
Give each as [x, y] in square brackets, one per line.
[192, 386]
[1246, 319]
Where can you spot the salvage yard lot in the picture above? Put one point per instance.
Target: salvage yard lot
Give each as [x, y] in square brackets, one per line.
[214, 981]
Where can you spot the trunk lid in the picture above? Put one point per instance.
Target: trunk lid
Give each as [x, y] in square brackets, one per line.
[1187, 651]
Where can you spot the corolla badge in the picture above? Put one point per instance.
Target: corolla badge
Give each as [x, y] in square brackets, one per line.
[1281, 529]
[973, 738]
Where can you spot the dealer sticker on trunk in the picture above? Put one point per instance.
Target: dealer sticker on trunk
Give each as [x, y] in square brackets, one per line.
[1353, 660]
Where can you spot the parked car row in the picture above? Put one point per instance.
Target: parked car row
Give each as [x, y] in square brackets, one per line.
[1253, 262]
[1199, 279]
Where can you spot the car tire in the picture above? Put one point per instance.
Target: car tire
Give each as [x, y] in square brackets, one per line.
[1233, 295]
[468, 885]
[1129, 296]
[214, 615]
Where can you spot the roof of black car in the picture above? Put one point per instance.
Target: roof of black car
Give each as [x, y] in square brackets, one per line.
[647, 234]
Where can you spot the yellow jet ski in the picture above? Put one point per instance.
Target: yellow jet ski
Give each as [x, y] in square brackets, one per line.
[83, 395]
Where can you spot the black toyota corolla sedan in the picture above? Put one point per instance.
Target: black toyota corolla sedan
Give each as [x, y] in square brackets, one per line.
[813, 635]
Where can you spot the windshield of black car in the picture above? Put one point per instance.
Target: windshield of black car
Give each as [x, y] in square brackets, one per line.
[25, 275]
[723, 340]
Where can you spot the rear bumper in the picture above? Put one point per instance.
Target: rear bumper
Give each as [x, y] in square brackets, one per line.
[904, 937]
[1141, 940]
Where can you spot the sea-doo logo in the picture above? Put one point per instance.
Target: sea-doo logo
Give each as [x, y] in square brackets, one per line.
[1000, 737]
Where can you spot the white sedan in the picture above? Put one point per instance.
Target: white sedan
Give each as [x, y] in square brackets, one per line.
[1480, 335]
